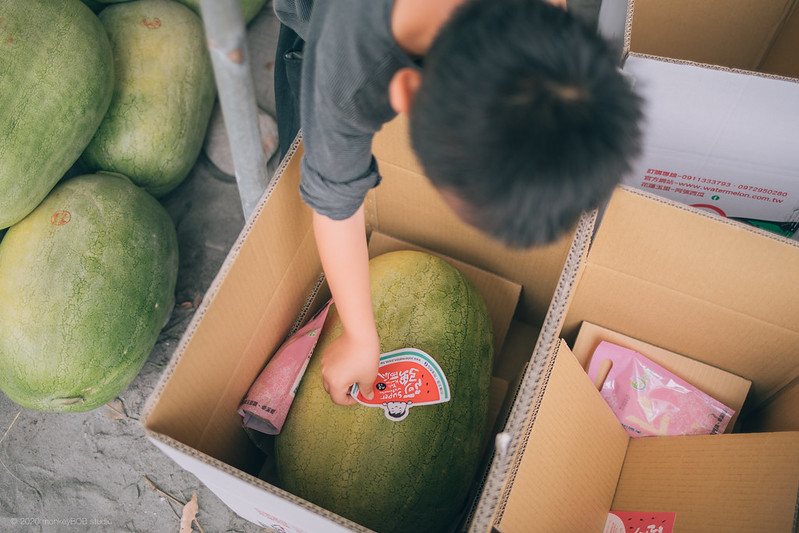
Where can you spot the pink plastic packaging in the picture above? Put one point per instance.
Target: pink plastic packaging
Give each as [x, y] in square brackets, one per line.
[651, 401]
[267, 403]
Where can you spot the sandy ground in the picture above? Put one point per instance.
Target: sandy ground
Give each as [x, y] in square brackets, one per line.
[96, 471]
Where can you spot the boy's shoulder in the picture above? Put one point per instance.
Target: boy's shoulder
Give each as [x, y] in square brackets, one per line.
[352, 57]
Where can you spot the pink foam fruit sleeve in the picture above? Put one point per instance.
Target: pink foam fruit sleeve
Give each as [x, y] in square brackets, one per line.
[267, 402]
[649, 400]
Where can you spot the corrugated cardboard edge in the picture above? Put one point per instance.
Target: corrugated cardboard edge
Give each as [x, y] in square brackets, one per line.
[510, 443]
[628, 30]
[710, 66]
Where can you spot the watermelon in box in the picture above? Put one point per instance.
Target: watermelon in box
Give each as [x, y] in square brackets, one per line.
[411, 472]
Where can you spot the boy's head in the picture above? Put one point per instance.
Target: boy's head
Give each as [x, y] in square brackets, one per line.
[522, 118]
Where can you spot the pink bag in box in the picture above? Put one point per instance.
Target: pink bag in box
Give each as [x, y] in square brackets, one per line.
[267, 403]
[649, 400]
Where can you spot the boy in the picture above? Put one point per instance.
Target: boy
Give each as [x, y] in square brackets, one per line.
[518, 115]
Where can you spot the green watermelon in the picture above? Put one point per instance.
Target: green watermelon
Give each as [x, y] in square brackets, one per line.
[86, 283]
[249, 8]
[56, 78]
[413, 474]
[164, 93]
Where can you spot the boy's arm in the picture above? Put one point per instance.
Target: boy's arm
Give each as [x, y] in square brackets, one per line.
[353, 356]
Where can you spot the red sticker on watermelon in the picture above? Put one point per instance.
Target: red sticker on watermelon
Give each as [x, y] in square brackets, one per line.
[406, 378]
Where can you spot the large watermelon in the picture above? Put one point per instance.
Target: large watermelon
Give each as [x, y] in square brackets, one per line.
[164, 93]
[56, 78]
[86, 283]
[407, 475]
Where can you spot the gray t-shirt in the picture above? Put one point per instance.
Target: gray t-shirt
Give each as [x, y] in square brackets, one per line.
[349, 59]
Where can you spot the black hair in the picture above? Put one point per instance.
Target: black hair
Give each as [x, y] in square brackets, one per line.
[523, 113]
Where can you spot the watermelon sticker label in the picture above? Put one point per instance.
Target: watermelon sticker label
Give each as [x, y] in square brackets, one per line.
[406, 378]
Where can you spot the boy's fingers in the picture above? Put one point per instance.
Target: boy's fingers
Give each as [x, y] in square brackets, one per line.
[342, 397]
[338, 394]
[368, 391]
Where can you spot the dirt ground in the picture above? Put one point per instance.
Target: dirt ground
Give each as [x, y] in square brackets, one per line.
[96, 471]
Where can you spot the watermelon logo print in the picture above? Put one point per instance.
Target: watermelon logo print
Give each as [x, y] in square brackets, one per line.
[406, 378]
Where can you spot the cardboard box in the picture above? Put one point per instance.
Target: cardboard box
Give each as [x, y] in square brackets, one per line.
[739, 482]
[721, 84]
[272, 276]
[690, 283]
[666, 274]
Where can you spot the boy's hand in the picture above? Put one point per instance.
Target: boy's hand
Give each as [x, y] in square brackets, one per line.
[349, 360]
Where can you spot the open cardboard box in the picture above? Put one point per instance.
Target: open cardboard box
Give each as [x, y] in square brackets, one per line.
[721, 82]
[272, 276]
[668, 275]
[717, 291]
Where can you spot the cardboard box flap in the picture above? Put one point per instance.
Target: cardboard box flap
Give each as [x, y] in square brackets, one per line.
[682, 280]
[406, 194]
[713, 133]
[258, 291]
[740, 482]
[699, 254]
[720, 82]
[730, 33]
[571, 458]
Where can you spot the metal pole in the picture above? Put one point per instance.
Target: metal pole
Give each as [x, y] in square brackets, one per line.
[226, 35]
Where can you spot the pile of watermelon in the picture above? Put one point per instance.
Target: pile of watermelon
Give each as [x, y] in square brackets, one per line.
[103, 110]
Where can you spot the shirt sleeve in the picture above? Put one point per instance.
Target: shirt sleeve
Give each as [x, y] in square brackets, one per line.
[336, 198]
[348, 64]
